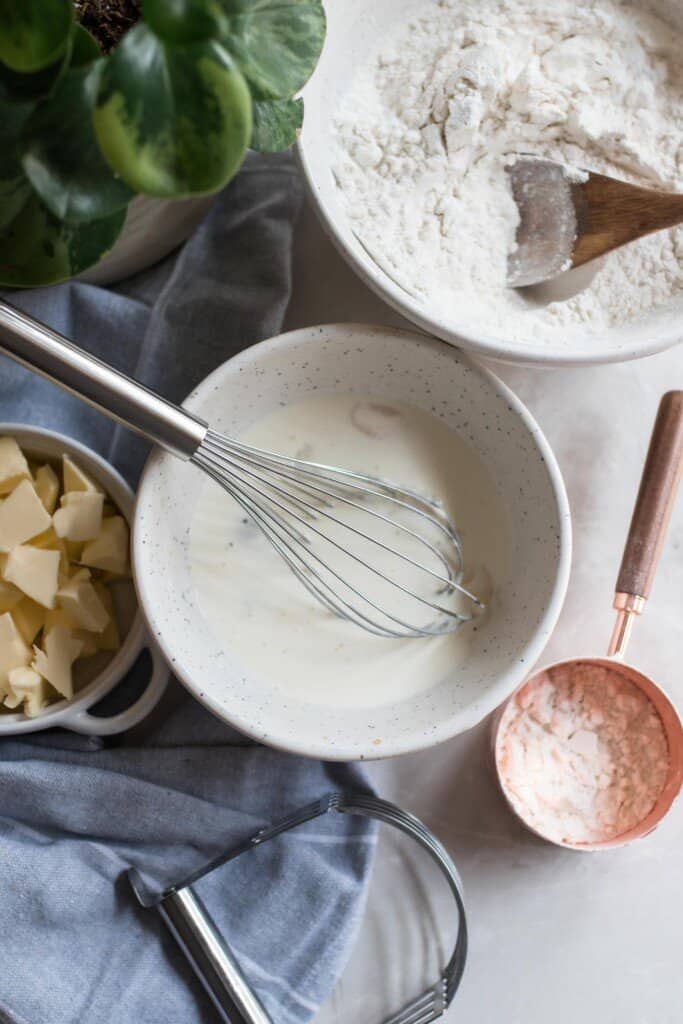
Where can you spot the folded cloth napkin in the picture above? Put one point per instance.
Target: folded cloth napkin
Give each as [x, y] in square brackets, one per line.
[75, 813]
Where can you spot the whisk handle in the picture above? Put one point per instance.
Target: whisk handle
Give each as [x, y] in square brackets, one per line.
[38, 347]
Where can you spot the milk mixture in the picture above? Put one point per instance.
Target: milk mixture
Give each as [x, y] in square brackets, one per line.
[259, 611]
[458, 88]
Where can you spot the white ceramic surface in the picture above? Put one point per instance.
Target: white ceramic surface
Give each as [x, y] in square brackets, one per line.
[153, 229]
[554, 938]
[355, 29]
[75, 714]
[387, 364]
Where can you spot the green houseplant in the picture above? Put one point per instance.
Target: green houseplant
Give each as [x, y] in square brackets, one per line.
[161, 98]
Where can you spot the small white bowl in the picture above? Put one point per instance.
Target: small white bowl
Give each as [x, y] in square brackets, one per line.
[75, 714]
[354, 29]
[386, 364]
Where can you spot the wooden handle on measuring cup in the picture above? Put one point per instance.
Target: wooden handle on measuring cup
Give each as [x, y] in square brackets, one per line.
[654, 504]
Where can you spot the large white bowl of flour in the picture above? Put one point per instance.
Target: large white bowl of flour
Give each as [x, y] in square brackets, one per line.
[410, 116]
[253, 645]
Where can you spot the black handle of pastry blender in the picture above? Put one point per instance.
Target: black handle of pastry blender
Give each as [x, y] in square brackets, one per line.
[193, 928]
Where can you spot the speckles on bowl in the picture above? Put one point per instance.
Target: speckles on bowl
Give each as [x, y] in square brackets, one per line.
[391, 365]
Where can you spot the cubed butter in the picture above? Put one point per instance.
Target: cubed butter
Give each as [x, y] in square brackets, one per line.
[75, 478]
[46, 483]
[80, 516]
[14, 653]
[52, 542]
[89, 642]
[10, 596]
[74, 550]
[13, 465]
[54, 662]
[58, 617]
[109, 639]
[109, 551]
[22, 516]
[27, 687]
[82, 603]
[35, 572]
[49, 598]
[29, 618]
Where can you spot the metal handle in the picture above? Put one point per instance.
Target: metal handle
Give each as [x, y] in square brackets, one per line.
[653, 508]
[38, 347]
[195, 932]
[210, 957]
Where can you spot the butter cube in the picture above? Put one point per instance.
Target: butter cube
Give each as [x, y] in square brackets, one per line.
[22, 516]
[81, 602]
[110, 550]
[89, 642]
[58, 617]
[28, 687]
[35, 572]
[80, 515]
[14, 653]
[92, 642]
[52, 542]
[29, 618]
[75, 478]
[74, 550]
[54, 663]
[46, 483]
[10, 596]
[108, 639]
[13, 465]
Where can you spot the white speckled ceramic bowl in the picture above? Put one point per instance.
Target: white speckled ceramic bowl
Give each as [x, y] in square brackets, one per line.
[355, 28]
[389, 365]
[75, 714]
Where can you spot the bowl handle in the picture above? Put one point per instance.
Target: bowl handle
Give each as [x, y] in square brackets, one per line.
[93, 725]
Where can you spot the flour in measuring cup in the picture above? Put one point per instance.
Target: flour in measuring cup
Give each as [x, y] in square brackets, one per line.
[424, 134]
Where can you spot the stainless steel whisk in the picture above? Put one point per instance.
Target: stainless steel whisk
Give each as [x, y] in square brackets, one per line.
[404, 582]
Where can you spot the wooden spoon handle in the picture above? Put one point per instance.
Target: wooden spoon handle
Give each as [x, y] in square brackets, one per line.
[654, 504]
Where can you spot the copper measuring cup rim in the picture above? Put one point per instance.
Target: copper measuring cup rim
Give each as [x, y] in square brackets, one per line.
[673, 729]
[659, 482]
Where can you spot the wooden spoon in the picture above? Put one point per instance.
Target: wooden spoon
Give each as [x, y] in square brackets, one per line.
[568, 217]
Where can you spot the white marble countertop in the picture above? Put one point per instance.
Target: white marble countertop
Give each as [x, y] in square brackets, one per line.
[555, 936]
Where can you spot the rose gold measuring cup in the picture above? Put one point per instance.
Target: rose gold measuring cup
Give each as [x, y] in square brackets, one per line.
[658, 486]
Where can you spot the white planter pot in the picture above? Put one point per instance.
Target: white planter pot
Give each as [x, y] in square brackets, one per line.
[153, 229]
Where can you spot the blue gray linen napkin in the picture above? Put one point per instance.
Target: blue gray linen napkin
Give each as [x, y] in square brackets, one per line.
[75, 813]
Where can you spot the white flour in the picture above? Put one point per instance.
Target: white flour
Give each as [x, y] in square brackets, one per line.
[424, 132]
[582, 754]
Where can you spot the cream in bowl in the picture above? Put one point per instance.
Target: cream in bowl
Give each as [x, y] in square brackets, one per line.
[255, 605]
[244, 636]
[68, 624]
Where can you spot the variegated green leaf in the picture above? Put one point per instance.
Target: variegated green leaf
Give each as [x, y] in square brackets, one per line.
[84, 49]
[34, 33]
[276, 43]
[29, 88]
[185, 21]
[172, 120]
[37, 249]
[14, 188]
[61, 156]
[277, 124]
